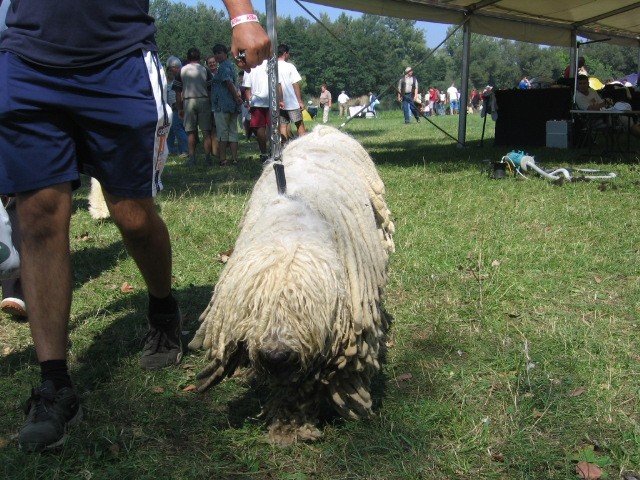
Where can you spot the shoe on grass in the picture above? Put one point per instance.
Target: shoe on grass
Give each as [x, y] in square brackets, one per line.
[49, 413]
[14, 307]
[162, 344]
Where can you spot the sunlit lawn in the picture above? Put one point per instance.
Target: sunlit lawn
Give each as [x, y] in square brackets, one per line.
[513, 352]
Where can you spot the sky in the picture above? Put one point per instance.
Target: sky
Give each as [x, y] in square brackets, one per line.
[434, 32]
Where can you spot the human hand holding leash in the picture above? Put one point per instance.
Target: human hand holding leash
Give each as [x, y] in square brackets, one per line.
[250, 44]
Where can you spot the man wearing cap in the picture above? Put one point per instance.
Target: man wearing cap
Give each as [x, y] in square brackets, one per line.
[407, 91]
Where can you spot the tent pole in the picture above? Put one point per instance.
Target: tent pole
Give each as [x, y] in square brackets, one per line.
[574, 67]
[638, 72]
[464, 88]
[573, 55]
[274, 104]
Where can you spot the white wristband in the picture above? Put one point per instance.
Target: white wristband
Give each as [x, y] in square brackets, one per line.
[249, 17]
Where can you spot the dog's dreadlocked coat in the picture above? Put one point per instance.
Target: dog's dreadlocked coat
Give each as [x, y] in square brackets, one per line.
[299, 300]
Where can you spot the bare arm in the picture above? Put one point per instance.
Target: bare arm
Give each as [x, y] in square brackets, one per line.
[248, 37]
[606, 103]
[280, 97]
[233, 91]
[296, 88]
[180, 104]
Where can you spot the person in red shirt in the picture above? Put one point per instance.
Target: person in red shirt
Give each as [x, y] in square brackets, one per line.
[582, 69]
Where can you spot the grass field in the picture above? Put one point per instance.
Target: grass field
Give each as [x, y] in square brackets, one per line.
[513, 353]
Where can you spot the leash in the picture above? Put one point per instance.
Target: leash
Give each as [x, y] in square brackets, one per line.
[274, 105]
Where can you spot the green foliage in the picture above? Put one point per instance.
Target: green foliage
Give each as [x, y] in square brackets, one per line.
[369, 53]
[609, 62]
[590, 456]
[181, 27]
[359, 55]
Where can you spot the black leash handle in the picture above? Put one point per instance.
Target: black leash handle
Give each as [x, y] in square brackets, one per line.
[281, 180]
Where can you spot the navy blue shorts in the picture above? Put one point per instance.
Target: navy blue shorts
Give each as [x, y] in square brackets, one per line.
[109, 122]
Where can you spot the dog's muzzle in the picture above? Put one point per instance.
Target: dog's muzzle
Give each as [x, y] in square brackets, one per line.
[282, 364]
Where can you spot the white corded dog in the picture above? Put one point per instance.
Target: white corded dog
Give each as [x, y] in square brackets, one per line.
[300, 299]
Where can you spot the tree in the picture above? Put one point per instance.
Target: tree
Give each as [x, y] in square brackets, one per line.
[607, 61]
[369, 53]
[180, 27]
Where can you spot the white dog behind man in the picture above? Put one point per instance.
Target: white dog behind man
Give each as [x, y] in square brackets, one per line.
[97, 205]
[300, 299]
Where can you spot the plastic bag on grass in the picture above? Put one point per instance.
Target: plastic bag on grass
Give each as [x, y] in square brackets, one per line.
[9, 258]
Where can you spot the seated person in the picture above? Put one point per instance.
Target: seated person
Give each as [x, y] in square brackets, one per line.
[588, 99]
[524, 84]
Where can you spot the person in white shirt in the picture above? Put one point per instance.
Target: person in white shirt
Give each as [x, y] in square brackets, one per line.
[588, 99]
[256, 83]
[291, 104]
[343, 98]
[452, 93]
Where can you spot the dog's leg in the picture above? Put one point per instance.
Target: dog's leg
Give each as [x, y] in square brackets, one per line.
[97, 205]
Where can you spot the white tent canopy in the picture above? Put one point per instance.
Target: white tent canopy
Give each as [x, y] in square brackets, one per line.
[544, 22]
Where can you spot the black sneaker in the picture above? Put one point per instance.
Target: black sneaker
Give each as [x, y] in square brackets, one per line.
[49, 412]
[162, 345]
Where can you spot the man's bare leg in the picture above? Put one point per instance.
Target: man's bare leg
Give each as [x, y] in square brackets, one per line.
[147, 240]
[234, 151]
[222, 152]
[207, 146]
[44, 217]
[192, 141]
[261, 136]
[46, 267]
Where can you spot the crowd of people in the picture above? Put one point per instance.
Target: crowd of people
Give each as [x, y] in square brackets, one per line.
[432, 102]
[216, 101]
